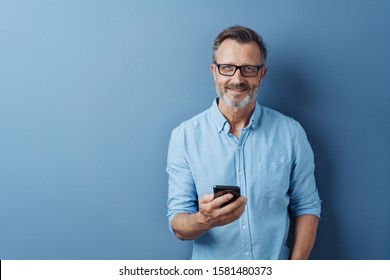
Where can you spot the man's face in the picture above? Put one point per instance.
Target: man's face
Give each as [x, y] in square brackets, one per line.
[238, 91]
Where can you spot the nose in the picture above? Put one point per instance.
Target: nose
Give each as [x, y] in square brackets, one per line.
[238, 77]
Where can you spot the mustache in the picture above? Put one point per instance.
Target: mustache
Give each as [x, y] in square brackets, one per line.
[240, 86]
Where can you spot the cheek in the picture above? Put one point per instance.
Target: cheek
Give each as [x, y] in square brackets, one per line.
[257, 84]
[221, 87]
[220, 82]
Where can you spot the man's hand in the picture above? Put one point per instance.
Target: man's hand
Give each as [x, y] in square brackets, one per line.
[212, 215]
[192, 226]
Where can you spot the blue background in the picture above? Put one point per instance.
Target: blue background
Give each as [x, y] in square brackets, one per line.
[90, 91]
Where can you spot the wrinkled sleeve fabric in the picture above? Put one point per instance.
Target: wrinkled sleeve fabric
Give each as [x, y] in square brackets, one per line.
[303, 190]
[182, 196]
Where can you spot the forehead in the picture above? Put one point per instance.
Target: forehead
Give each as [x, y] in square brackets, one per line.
[232, 52]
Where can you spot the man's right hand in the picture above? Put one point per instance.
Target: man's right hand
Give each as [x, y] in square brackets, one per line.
[211, 214]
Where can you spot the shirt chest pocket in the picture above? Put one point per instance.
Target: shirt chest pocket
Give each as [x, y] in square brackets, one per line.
[274, 178]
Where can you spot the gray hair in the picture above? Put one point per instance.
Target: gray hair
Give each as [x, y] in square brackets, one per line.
[241, 35]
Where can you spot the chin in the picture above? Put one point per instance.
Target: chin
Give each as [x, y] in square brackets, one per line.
[238, 104]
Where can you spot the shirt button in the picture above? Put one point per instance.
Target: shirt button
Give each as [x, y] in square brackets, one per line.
[239, 147]
[244, 227]
[246, 254]
[240, 173]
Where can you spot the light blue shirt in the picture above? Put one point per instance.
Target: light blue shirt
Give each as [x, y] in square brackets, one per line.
[273, 164]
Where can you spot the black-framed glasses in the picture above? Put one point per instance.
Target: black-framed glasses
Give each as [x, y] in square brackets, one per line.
[246, 70]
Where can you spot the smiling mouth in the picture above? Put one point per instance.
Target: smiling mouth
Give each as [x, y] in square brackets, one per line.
[237, 88]
[236, 91]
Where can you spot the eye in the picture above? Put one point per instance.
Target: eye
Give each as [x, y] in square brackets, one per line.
[249, 69]
[227, 67]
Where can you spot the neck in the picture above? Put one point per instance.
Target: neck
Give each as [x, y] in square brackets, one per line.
[238, 118]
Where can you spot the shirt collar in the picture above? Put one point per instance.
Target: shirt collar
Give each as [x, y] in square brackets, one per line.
[221, 122]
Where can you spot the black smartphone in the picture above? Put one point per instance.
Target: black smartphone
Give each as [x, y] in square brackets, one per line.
[220, 190]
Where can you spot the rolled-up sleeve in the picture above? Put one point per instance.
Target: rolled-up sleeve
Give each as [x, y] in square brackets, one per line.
[303, 190]
[182, 196]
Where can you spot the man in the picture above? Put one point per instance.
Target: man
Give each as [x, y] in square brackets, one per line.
[239, 142]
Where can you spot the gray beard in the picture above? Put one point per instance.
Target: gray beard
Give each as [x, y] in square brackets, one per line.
[238, 104]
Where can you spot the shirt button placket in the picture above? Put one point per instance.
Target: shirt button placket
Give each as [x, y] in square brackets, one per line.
[244, 219]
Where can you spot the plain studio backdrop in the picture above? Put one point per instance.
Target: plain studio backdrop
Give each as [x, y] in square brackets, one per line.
[91, 90]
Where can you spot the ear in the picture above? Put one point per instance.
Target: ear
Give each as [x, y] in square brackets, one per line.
[213, 68]
[262, 74]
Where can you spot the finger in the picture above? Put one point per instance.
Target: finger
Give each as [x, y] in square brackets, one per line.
[238, 203]
[231, 212]
[235, 209]
[217, 203]
[206, 198]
